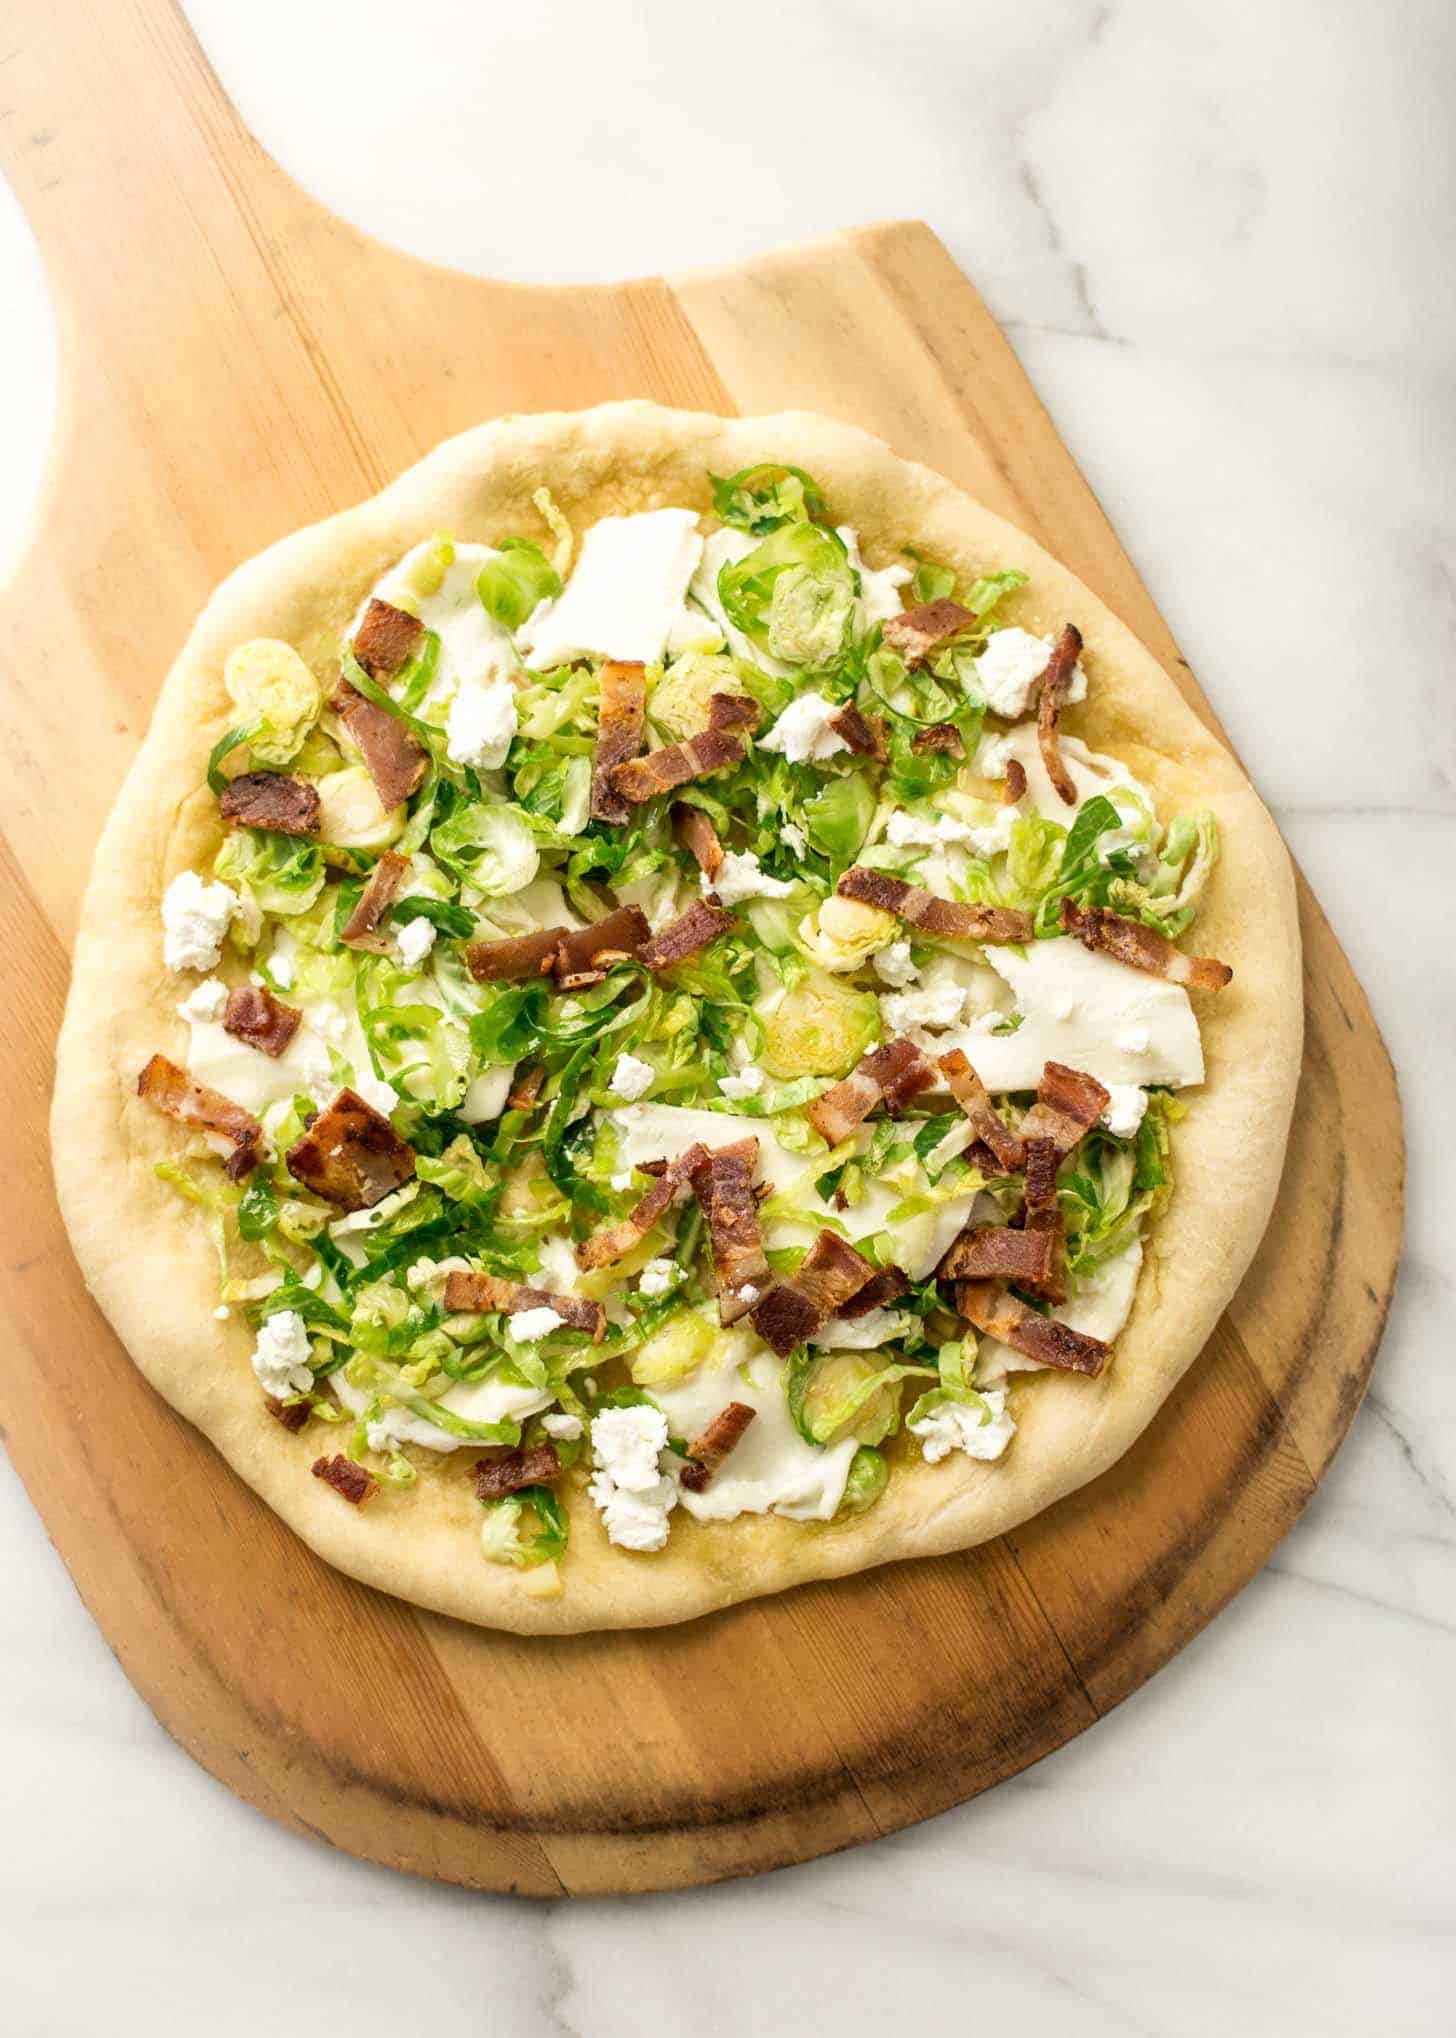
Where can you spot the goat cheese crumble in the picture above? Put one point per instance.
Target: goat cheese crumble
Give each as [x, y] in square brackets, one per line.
[281, 1355]
[961, 1426]
[802, 732]
[631, 1078]
[741, 877]
[481, 724]
[415, 940]
[529, 1326]
[632, 1495]
[1010, 666]
[196, 915]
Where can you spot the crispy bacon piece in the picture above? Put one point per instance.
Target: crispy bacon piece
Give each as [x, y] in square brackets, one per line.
[1042, 1217]
[480, 1292]
[945, 917]
[867, 737]
[710, 1449]
[723, 1186]
[621, 719]
[733, 711]
[643, 778]
[831, 1274]
[888, 1285]
[271, 799]
[526, 1088]
[997, 1150]
[349, 1480]
[515, 958]
[1055, 682]
[915, 633]
[997, 1252]
[584, 956]
[293, 1415]
[1141, 947]
[889, 1075]
[386, 639]
[263, 1021]
[496, 1477]
[351, 1154]
[999, 1315]
[361, 930]
[1014, 790]
[1068, 1103]
[943, 736]
[699, 838]
[172, 1090]
[605, 1247]
[393, 755]
[703, 922]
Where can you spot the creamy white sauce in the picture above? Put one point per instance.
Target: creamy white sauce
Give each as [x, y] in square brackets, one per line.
[771, 1468]
[488, 1400]
[474, 648]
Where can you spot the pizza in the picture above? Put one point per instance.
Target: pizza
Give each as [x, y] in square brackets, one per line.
[670, 1007]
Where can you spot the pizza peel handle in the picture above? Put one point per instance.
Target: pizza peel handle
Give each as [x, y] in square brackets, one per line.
[218, 391]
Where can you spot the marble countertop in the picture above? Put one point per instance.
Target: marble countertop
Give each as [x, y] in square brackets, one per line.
[1219, 237]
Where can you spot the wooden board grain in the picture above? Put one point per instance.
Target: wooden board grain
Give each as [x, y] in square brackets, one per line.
[235, 363]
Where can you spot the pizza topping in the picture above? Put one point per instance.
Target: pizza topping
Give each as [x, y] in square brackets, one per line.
[943, 737]
[255, 1015]
[1014, 790]
[733, 711]
[605, 1247]
[988, 1306]
[710, 1449]
[916, 633]
[699, 837]
[467, 1290]
[890, 1075]
[394, 756]
[998, 1150]
[621, 719]
[379, 894]
[1067, 1105]
[866, 737]
[1042, 1217]
[660, 771]
[585, 955]
[723, 1186]
[1056, 684]
[174, 1092]
[948, 918]
[386, 639]
[350, 1481]
[1129, 941]
[351, 1154]
[703, 922]
[537, 1465]
[999, 1252]
[293, 1415]
[887, 1286]
[830, 1274]
[270, 799]
[516, 958]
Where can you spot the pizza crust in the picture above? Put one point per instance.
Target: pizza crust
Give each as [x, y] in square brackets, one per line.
[422, 1543]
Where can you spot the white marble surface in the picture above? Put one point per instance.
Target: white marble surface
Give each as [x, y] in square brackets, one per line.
[1219, 235]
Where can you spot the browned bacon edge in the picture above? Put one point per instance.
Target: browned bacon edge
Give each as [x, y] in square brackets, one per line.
[351, 1154]
[271, 799]
[710, 1449]
[997, 1149]
[350, 1481]
[516, 957]
[915, 633]
[703, 922]
[723, 1186]
[1042, 1217]
[585, 955]
[1056, 679]
[830, 1274]
[866, 736]
[393, 755]
[526, 1088]
[386, 639]
[614, 1240]
[621, 719]
[888, 1285]
[1042, 1338]
[1141, 947]
[479, 1292]
[889, 1075]
[948, 918]
[733, 711]
[997, 1252]
[1068, 1104]
[254, 1015]
[944, 736]
[699, 837]
[533, 1465]
[378, 895]
[173, 1091]
[1014, 790]
[293, 1415]
[643, 778]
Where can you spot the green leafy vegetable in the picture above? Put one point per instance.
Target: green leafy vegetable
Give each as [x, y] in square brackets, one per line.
[512, 585]
[760, 499]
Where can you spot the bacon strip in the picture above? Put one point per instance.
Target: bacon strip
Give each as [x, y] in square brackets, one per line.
[1068, 1103]
[733, 711]
[1141, 947]
[866, 737]
[830, 1275]
[1056, 682]
[293, 1415]
[888, 1285]
[386, 639]
[351, 1154]
[1042, 1338]
[173, 1091]
[621, 719]
[1042, 1217]
[517, 957]
[605, 1247]
[945, 917]
[724, 1188]
[710, 1449]
[496, 1477]
[270, 799]
[393, 755]
[1014, 790]
[378, 895]
[997, 1149]
[703, 922]
[263, 1021]
[584, 956]
[476, 1293]
[997, 1252]
[944, 736]
[699, 837]
[349, 1480]
[915, 633]
[643, 778]
[526, 1088]
[889, 1075]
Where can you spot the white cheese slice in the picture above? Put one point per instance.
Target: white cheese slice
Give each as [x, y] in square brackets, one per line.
[771, 1469]
[474, 648]
[488, 1400]
[652, 1131]
[1100, 1308]
[1090, 771]
[1089, 1011]
[624, 595]
[253, 1079]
